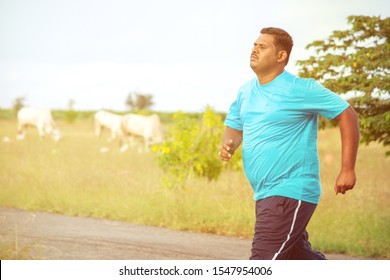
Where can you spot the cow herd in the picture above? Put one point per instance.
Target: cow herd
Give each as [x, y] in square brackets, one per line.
[125, 128]
[130, 127]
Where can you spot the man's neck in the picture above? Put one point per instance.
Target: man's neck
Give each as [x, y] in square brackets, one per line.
[265, 78]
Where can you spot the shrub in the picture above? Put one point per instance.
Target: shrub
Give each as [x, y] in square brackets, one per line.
[191, 148]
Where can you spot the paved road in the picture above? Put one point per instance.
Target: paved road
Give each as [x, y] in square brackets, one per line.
[60, 237]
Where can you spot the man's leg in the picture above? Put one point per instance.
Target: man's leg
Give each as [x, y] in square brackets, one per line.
[280, 223]
[303, 251]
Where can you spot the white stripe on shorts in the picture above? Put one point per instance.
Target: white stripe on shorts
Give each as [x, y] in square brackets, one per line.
[289, 234]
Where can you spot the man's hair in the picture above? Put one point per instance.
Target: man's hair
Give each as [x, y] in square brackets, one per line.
[282, 39]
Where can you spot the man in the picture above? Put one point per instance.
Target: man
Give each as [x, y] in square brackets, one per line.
[275, 119]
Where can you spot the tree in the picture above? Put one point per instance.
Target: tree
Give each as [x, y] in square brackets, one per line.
[139, 101]
[356, 62]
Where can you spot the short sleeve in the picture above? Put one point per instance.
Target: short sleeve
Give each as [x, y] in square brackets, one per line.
[324, 102]
[233, 118]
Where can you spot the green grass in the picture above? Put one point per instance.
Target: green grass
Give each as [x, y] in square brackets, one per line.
[357, 223]
[72, 177]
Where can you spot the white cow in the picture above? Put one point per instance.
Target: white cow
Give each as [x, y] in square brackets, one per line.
[39, 118]
[110, 121]
[147, 127]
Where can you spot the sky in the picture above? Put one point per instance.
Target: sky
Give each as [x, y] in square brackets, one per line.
[186, 54]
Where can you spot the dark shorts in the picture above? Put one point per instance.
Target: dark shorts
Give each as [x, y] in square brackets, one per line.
[280, 230]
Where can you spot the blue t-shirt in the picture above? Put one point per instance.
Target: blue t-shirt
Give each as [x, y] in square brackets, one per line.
[279, 124]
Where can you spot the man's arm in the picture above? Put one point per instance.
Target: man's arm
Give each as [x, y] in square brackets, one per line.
[350, 135]
[232, 139]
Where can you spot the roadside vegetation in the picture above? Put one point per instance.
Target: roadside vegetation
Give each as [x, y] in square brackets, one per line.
[74, 177]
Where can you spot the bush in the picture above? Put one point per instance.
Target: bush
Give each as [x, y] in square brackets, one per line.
[191, 148]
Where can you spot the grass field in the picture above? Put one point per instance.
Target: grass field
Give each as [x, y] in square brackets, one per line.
[74, 178]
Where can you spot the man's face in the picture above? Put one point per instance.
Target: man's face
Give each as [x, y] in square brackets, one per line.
[264, 55]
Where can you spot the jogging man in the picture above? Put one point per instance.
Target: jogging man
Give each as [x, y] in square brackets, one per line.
[275, 118]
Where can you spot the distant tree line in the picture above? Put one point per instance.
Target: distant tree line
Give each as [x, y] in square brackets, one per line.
[136, 101]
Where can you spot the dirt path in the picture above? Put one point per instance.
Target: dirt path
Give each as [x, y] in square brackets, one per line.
[62, 237]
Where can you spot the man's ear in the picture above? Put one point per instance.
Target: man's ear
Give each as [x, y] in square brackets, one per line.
[282, 56]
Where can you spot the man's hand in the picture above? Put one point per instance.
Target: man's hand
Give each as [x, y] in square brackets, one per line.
[345, 181]
[227, 151]
[232, 139]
